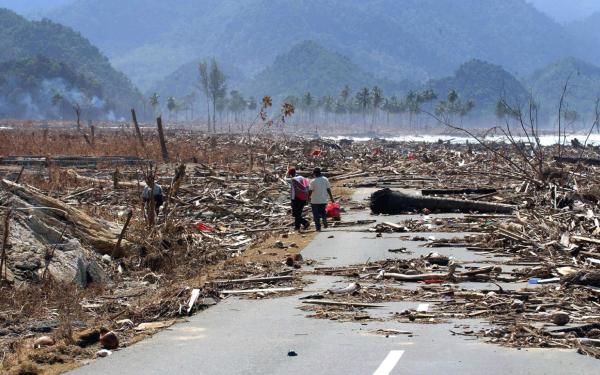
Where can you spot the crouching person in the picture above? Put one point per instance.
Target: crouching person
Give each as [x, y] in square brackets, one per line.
[157, 195]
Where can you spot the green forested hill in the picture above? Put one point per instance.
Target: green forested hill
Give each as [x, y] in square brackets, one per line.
[186, 78]
[150, 39]
[22, 39]
[40, 88]
[309, 67]
[483, 83]
[395, 39]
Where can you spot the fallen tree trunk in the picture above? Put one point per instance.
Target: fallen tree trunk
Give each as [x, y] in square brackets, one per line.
[390, 202]
[99, 181]
[69, 161]
[54, 213]
[586, 278]
[451, 275]
[350, 289]
[345, 304]
[477, 271]
[266, 290]
[417, 277]
[457, 191]
[255, 280]
[575, 160]
[350, 175]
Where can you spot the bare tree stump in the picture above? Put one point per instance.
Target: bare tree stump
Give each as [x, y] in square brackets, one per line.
[138, 132]
[161, 138]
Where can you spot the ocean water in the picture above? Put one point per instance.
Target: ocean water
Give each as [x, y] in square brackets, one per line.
[545, 140]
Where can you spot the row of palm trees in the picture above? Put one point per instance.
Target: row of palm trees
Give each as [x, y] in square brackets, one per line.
[368, 107]
[232, 106]
[370, 104]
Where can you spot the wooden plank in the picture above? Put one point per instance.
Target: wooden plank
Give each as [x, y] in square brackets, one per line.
[392, 225]
[267, 290]
[78, 194]
[255, 280]
[458, 191]
[585, 239]
[193, 299]
[336, 303]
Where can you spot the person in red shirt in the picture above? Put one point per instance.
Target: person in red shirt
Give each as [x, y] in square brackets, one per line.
[299, 197]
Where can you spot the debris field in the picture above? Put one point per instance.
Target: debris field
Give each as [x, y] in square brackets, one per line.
[85, 270]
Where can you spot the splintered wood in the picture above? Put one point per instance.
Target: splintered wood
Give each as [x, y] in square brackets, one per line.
[74, 216]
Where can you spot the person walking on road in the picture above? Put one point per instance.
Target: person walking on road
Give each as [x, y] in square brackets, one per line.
[299, 197]
[319, 191]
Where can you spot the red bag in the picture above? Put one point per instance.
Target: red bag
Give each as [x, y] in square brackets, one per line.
[333, 210]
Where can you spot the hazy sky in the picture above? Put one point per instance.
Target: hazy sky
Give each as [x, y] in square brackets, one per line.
[560, 10]
[32, 6]
[567, 10]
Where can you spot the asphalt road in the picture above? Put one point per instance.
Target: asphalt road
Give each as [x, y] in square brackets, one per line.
[254, 337]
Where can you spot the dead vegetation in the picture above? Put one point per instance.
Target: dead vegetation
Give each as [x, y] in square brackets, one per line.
[80, 252]
[225, 230]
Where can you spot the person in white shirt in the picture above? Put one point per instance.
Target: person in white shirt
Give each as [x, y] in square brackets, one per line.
[319, 191]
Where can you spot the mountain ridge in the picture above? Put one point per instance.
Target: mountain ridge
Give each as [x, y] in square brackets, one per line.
[398, 39]
[22, 39]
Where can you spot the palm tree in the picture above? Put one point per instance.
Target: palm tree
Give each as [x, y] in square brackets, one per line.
[237, 104]
[218, 89]
[171, 106]
[377, 96]
[344, 96]
[327, 103]
[154, 103]
[307, 104]
[390, 106]
[189, 104]
[363, 99]
[203, 85]
[57, 100]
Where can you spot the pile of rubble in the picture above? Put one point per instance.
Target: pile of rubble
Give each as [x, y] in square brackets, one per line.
[547, 267]
[79, 244]
[225, 229]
